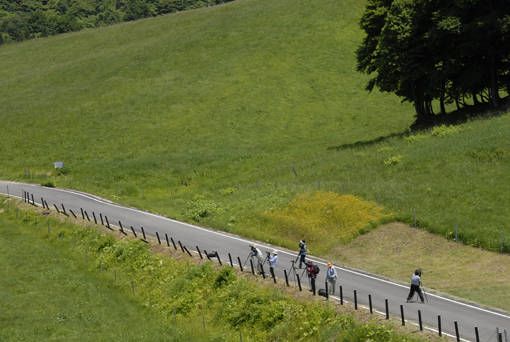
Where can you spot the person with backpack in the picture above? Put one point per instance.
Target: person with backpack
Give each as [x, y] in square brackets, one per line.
[302, 253]
[255, 252]
[312, 271]
[331, 278]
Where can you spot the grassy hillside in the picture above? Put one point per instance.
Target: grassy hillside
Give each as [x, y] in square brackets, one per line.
[54, 293]
[230, 97]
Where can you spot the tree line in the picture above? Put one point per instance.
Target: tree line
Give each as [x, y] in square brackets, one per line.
[26, 19]
[443, 50]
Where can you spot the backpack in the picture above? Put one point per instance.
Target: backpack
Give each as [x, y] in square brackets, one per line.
[316, 269]
[323, 293]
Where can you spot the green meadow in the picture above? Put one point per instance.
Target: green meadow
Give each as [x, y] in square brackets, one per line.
[202, 116]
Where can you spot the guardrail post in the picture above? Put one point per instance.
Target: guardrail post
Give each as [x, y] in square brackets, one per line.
[355, 300]
[402, 314]
[387, 309]
[370, 302]
[419, 320]
[457, 331]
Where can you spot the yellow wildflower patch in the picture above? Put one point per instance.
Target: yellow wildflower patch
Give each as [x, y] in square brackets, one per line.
[325, 219]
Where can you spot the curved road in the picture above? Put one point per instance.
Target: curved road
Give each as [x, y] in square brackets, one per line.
[467, 316]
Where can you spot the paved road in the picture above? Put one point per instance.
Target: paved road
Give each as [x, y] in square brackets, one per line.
[467, 316]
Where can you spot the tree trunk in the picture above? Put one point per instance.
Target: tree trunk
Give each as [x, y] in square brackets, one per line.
[417, 105]
[431, 109]
[441, 100]
[494, 88]
[475, 99]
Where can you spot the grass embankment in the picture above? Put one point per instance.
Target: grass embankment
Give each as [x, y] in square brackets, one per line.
[51, 292]
[396, 250]
[205, 99]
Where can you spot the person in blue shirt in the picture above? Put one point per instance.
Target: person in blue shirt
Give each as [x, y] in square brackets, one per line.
[273, 260]
[415, 287]
[302, 253]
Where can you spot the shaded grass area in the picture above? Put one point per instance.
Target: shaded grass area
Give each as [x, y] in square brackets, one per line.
[396, 250]
[232, 302]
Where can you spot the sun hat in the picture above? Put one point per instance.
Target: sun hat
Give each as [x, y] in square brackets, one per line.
[330, 264]
[275, 252]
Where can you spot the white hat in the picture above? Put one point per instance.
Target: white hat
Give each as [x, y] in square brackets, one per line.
[275, 252]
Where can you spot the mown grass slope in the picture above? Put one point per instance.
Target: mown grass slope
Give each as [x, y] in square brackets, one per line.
[155, 112]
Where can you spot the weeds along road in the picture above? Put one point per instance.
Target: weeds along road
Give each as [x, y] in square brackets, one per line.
[467, 316]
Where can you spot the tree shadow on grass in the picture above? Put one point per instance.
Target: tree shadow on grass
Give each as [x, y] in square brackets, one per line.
[472, 112]
[366, 143]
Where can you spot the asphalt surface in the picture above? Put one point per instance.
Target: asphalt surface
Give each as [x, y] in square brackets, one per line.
[450, 311]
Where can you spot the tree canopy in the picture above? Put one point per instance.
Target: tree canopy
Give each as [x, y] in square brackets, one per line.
[26, 19]
[445, 50]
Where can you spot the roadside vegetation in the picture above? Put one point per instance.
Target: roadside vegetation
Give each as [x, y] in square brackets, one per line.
[78, 283]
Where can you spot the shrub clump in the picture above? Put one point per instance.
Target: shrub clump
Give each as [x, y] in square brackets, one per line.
[395, 160]
[228, 191]
[443, 131]
[50, 183]
[415, 138]
[199, 208]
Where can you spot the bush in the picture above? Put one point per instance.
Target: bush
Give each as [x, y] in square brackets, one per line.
[443, 131]
[393, 160]
[415, 138]
[199, 208]
[228, 191]
[50, 183]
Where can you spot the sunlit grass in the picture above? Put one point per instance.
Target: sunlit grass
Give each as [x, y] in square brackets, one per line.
[154, 112]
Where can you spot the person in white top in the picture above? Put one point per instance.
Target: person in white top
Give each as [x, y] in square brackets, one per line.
[415, 287]
[273, 259]
[331, 278]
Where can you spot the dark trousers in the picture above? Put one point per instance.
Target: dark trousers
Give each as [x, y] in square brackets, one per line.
[312, 283]
[271, 269]
[415, 288]
[301, 260]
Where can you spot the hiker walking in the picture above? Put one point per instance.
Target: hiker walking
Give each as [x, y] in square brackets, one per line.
[302, 252]
[415, 286]
[331, 278]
